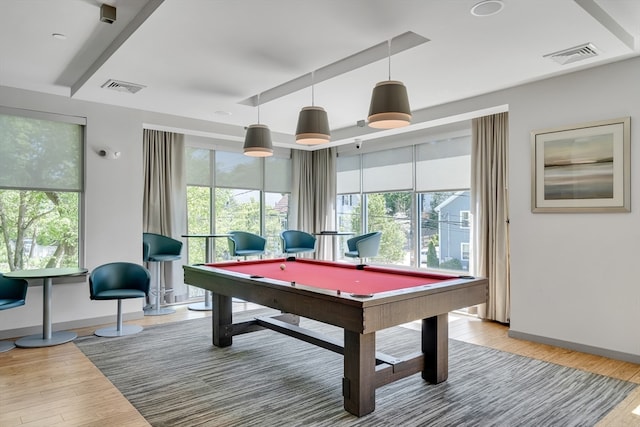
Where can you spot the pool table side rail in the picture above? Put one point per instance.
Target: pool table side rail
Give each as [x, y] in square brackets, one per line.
[362, 315]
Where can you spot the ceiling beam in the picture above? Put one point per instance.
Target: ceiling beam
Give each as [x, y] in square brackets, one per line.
[368, 56]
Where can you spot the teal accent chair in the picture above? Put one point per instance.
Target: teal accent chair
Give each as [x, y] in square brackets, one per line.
[244, 244]
[13, 293]
[119, 280]
[295, 242]
[364, 246]
[157, 249]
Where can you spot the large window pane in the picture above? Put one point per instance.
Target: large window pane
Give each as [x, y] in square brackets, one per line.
[277, 177]
[198, 222]
[276, 220]
[198, 162]
[40, 188]
[348, 211]
[40, 154]
[237, 209]
[40, 229]
[388, 170]
[348, 174]
[444, 165]
[390, 213]
[235, 170]
[444, 231]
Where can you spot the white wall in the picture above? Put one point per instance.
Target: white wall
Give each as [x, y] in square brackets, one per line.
[574, 279]
[573, 276]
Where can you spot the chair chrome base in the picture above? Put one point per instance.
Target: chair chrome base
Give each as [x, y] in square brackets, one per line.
[199, 306]
[58, 337]
[160, 311]
[112, 331]
[6, 346]
[202, 306]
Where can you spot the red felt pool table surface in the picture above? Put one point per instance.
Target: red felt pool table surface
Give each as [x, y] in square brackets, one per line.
[335, 276]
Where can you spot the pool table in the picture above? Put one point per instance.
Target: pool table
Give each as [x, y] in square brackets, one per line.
[359, 299]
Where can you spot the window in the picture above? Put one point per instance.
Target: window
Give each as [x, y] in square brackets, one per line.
[465, 219]
[230, 191]
[198, 204]
[41, 159]
[276, 219]
[391, 213]
[417, 196]
[464, 250]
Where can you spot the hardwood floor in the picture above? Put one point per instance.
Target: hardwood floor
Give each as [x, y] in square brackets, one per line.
[59, 386]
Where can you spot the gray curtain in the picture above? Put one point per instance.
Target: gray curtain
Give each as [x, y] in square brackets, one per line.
[489, 206]
[313, 196]
[165, 199]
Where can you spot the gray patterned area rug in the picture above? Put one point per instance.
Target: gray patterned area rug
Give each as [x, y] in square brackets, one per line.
[174, 377]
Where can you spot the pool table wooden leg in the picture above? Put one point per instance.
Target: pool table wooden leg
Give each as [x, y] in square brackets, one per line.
[358, 384]
[222, 320]
[435, 347]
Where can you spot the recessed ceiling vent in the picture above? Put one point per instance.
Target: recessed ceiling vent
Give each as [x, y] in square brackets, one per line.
[121, 86]
[573, 54]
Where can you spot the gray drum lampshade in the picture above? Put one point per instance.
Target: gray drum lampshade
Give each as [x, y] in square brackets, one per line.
[313, 126]
[257, 141]
[389, 106]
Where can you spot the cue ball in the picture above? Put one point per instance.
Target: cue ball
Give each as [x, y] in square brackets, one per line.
[282, 266]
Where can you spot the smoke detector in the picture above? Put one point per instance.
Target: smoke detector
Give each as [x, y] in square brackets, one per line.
[573, 54]
[121, 86]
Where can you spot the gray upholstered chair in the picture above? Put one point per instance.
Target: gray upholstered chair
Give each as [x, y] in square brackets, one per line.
[364, 246]
[295, 242]
[13, 293]
[244, 244]
[119, 280]
[157, 249]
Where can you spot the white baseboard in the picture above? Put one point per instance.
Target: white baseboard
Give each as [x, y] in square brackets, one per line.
[611, 354]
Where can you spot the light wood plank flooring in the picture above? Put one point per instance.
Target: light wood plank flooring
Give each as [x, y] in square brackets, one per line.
[59, 386]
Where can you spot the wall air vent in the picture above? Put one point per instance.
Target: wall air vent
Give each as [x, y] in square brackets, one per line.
[573, 54]
[121, 86]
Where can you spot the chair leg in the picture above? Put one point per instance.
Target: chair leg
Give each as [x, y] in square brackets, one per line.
[119, 330]
[156, 309]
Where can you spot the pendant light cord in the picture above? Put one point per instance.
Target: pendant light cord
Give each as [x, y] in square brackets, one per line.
[312, 89]
[389, 52]
[258, 108]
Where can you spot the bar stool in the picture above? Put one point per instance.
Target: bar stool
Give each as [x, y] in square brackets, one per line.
[13, 293]
[296, 242]
[244, 244]
[158, 249]
[364, 246]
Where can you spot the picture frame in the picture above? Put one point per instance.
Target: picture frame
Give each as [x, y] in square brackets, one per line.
[582, 168]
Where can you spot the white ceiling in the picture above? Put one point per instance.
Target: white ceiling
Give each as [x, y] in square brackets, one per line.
[201, 58]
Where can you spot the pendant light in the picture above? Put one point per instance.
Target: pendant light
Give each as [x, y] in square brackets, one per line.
[313, 124]
[257, 140]
[389, 106]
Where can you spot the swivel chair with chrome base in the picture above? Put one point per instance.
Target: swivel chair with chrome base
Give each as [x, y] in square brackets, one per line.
[364, 246]
[157, 249]
[13, 293]
[295, 242]
[119, 280]
[244, 244]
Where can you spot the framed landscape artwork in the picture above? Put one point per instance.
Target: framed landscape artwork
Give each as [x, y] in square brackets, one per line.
[582, 168]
